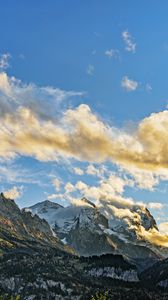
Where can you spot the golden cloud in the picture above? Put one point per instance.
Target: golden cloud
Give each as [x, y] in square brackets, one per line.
[163, 228]
[80, 134]
[155, 237]
[13, 193]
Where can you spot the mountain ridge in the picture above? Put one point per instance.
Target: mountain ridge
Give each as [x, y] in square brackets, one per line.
[21, 229]
[39, 262]
[89, 231]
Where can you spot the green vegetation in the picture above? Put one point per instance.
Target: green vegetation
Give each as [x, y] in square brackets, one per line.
[7, 297]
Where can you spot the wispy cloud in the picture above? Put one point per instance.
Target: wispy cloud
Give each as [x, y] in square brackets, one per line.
[13, 174]
[148, 87]
[22, 56]
[96, 171]
[111, 53]
[78, 171]
[155, 205]
[143, 179]
[90, 70]
[4, 61]
[130, 45]
[57, 184]
[43, 101]
[129, 84]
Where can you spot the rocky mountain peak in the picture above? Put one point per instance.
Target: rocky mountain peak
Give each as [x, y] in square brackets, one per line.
[21, 229]
[85, 200]
[95, 230]
[148, 220]
[44, 206]
[3, 198]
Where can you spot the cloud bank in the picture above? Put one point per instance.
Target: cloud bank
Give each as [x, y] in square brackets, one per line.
[27, 129]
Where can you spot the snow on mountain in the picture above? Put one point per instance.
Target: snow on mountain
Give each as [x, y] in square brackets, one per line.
[127, 222]
[45, 210]
[92, 230]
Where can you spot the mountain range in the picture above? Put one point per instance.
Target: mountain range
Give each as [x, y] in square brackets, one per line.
[48, 251]
[92, 230]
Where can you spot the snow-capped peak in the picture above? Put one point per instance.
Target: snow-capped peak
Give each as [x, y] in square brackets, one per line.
[106, 228]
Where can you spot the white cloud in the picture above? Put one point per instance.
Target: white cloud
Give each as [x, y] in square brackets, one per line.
[5, 85]
[80, 185]
[57, 184]
[91, 170]
[95, 171]
[78, 171]
[90, 70]
[12, 173]
[118, 184]
[111, 53]
[9, 174]
[113, 186]
[126, 214]
[143, 179]
[79, 202]
[45, 102]
[4, 61]
[130, 45]
[129, 84]
[55, 196]
[155, 205]
[69, 188]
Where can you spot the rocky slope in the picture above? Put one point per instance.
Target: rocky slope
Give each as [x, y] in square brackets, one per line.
[20, 229]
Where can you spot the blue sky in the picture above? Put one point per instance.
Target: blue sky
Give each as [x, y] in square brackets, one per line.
[113, 57]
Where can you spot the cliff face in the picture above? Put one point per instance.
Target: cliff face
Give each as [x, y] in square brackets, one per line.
[20, 229]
